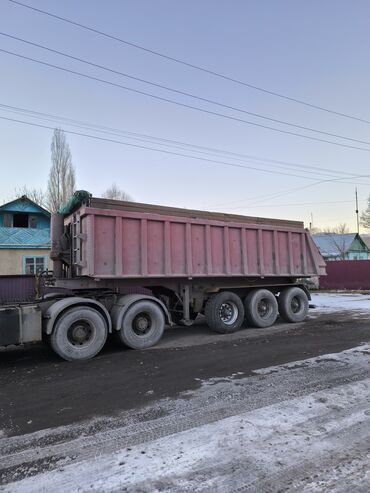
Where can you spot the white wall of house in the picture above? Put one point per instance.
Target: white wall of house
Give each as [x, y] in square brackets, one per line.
[15, 261]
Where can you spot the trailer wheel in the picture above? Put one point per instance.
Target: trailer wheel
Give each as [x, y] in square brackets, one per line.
[293, 304]
[79, 333]
[261, 308]
[142, 325]
[224, 312]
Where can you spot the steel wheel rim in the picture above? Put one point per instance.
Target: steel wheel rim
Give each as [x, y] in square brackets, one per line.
[142, 324]
[295, 304]
[81, 333]
[228, 312]
[264, 308]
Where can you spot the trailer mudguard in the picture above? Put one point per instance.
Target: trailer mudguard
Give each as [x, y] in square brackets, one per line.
[52, 313]
[124, 302]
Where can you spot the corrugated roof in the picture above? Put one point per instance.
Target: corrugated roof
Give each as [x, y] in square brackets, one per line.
[24, 238]
[333, 244]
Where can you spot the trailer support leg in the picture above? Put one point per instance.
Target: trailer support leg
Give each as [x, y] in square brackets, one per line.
[186, 305]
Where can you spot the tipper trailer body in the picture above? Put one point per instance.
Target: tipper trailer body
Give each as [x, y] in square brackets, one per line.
[130, 268]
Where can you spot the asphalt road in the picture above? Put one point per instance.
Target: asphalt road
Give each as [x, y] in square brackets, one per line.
[48, 403]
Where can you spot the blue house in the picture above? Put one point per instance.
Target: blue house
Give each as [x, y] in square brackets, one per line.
[24, 237]
[348, 246]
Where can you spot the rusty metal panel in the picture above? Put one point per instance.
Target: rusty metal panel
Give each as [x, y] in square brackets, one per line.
[130, 254]
[217, 249]
[178, 249]
[268, 252]
[282, 239]
[129, 244]
[198, 245]
[252, 251]
[155, 240]
[346, 274]
[235, 250]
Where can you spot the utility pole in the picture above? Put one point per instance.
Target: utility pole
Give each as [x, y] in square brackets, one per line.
[358, 223]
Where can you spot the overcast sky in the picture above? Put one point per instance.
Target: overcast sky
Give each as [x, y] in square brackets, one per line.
[313, 51]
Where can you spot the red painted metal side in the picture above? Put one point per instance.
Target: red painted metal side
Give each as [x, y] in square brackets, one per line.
[123, 244]
[347, 274]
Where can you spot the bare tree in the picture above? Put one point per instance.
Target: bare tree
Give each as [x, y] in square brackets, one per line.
[62, 177]
[37, 195]
[365, 216]
[339, 230]
[115, 193]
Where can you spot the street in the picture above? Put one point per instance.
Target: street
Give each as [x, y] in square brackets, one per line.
[263, 410]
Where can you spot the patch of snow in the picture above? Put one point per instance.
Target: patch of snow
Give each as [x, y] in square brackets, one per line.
[339, 302]
[347, 357]
[298, 439]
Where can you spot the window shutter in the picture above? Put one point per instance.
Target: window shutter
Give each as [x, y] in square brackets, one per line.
[8, 220]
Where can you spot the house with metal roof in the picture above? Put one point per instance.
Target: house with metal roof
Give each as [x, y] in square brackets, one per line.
[348, 246]
[366, 239]
[24, 237]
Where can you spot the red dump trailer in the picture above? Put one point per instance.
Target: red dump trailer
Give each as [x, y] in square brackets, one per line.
[129, 269]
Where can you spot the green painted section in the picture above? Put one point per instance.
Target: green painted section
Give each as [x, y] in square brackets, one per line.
[358, 250]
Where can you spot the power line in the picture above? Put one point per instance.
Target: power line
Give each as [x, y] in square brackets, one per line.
[183, 93]
[172, 143]
[190, 65]
[299, 204]
[213, 161]
[240, 120]
[225, 163]
[269, 196]
[171, 153]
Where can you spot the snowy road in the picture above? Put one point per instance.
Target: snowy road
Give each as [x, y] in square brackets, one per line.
[302, 425]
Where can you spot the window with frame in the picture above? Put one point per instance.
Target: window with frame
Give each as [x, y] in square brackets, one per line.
[34, 265]
[20, 220]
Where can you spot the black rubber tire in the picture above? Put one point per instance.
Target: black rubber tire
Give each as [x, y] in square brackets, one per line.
[213, 312]
[261, 308]
[62, 341]
[150, 313]
[293, 305]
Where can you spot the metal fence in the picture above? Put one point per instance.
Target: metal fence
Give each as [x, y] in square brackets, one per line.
[346, 274]
[16, 289]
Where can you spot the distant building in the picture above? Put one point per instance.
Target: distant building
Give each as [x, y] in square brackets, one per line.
[366, 239]
[349, 246]
[24, 237]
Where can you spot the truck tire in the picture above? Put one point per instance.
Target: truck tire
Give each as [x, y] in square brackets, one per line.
[224, 312]
[79, 333]
[261, 308]
[142, 325]
[293, 304]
